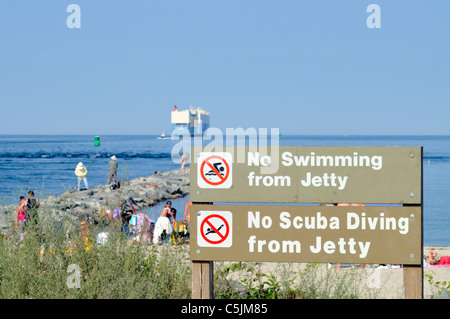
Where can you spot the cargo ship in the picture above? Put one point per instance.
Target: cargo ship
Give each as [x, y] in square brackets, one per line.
[193, 121]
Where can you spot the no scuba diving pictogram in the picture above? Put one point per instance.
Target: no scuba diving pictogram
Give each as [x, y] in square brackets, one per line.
[214, 229]
[214, 170]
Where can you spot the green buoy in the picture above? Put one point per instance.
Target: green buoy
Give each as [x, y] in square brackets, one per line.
[97, 141]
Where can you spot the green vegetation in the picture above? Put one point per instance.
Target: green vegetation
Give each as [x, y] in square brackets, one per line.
[54, 261]
[248, 281]
[437, 286]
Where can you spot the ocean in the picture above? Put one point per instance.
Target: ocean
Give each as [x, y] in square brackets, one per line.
[46, 164]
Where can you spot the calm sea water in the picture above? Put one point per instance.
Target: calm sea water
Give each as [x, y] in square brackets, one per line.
[46, 164]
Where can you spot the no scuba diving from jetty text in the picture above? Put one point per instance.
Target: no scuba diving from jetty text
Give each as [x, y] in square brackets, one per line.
[353, 221]
[327, 179]
[305, 233]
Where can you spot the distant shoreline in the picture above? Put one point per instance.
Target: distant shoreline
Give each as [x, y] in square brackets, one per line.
[282, 135]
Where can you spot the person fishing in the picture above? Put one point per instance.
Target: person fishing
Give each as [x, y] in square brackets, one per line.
[112, 169]
[81, 172]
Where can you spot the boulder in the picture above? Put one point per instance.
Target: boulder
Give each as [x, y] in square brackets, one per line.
[143, 191]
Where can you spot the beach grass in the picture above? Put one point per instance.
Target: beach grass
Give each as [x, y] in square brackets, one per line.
[289, 281]
[53, 260]
[56, 263]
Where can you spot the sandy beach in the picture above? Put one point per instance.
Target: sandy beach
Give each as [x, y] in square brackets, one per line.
[374, 282]
[439, 273]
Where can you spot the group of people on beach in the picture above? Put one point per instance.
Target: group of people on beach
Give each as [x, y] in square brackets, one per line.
[135, 224]
[138, 224]
[125, 218]
[164, 225]
[167, 223]
[26, 211]
[81, 172]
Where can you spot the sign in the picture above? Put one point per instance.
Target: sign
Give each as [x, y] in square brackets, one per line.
[339, 224]
[214, 170]
[384, 175]
[214, 228]
[334, 234]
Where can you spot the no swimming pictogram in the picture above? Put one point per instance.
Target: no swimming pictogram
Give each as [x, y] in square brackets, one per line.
[214, 170]
[214, 229]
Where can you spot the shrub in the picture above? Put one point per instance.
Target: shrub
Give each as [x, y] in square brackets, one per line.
[52, 261]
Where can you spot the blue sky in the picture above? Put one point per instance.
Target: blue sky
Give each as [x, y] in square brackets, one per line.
[305, 67]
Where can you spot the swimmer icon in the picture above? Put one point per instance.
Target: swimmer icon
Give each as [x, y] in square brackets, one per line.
[214, 229]
[214, 170]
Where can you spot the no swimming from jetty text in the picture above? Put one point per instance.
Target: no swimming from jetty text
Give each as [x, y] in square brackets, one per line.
[326, 179]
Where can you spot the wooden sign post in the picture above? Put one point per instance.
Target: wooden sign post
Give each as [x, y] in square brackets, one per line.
[387, 230]
[202, 280]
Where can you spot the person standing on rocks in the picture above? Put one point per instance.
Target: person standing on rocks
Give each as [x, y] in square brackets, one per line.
[112, 169]
[184, 163]
[81, 172]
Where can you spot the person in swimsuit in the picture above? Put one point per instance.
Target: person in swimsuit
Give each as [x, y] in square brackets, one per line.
[20, 214]
[163, 224]
[184, 163]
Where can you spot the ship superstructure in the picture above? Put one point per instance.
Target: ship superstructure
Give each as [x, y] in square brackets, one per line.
[193, 121]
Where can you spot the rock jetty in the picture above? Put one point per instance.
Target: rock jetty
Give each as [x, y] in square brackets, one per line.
[142, 191]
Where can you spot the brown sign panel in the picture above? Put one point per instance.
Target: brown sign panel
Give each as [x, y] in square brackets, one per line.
[288, 233]
[307, 175]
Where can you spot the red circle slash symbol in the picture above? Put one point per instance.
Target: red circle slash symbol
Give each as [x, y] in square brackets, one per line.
[217, 165]
[215, 230]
